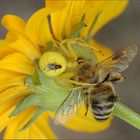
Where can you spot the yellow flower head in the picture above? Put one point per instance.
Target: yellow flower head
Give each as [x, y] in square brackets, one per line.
[37, 55]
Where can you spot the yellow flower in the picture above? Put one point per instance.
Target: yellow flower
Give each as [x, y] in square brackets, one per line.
[20, 98]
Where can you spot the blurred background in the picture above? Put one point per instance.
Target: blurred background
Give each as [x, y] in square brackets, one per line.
[123, 30]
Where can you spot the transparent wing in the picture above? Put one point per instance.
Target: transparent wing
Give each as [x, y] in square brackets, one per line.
[119, 61]
[68, 107]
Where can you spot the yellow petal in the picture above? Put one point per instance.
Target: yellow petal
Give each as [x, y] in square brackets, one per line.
[4, 49]
[11, 81]
[18, 63]
[10, 36]
[109, 10]
[34, 29]
[5, 110]
[104, 53]
[8, 74]
[13, 23]
[25, 47]
[57, 24]
[21, 44]
[70, 15]
[4, 118]
[42, 125]
[83, 123]
[13, 93]
[12, 130]
[73, 18]
[73, 11]
[62, 13]
[37, 28]
[52, 4]
[40, 129]
[6, 106]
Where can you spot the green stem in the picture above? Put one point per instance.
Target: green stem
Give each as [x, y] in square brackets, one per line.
[127, 114]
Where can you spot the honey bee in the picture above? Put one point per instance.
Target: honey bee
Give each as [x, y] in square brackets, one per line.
[100, 96]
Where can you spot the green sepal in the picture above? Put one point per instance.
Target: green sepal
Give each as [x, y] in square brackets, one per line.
[28, 81]
[35, 116]
[91, 29]
[76, 30]
[35, 78]
[28, 101]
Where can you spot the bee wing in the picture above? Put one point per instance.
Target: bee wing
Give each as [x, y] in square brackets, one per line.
[68, 107]
[119, 61]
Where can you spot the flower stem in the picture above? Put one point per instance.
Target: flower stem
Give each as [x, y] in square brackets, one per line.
[127, 114]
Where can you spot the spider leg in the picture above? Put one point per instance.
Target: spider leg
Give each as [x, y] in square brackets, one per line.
[71, 51]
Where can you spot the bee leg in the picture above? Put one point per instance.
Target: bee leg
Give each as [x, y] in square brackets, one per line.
[87, 106]
[80, 83]
[86, 100]
[60, 81]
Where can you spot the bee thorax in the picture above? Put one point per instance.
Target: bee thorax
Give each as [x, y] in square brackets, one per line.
[86, 70]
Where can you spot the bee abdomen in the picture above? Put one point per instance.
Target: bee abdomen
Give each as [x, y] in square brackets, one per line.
[102, 102]
[102, 117]
[102, 107]
[102, 112]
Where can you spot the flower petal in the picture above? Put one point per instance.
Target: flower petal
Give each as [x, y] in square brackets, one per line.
[4, 118]
[18, 63]
[86, 123]
[40, 129]
[35, 30]
[12, 130]
[73, 11]
[69, 18]
[25, 47]
[13, 23]
[61, 13]
[13, 93]
[8, 74]
[42, 124]
[52, 4]
[11, 81]
[109, 10]
[104, 53]
[4, 49]
[5, 111]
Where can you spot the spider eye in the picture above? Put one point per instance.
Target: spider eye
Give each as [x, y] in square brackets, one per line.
[52, 63]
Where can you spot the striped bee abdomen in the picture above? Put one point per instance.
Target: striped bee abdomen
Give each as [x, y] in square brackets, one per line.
[102, 102]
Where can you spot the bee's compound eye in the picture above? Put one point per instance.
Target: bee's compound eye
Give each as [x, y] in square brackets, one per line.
[52, 58]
